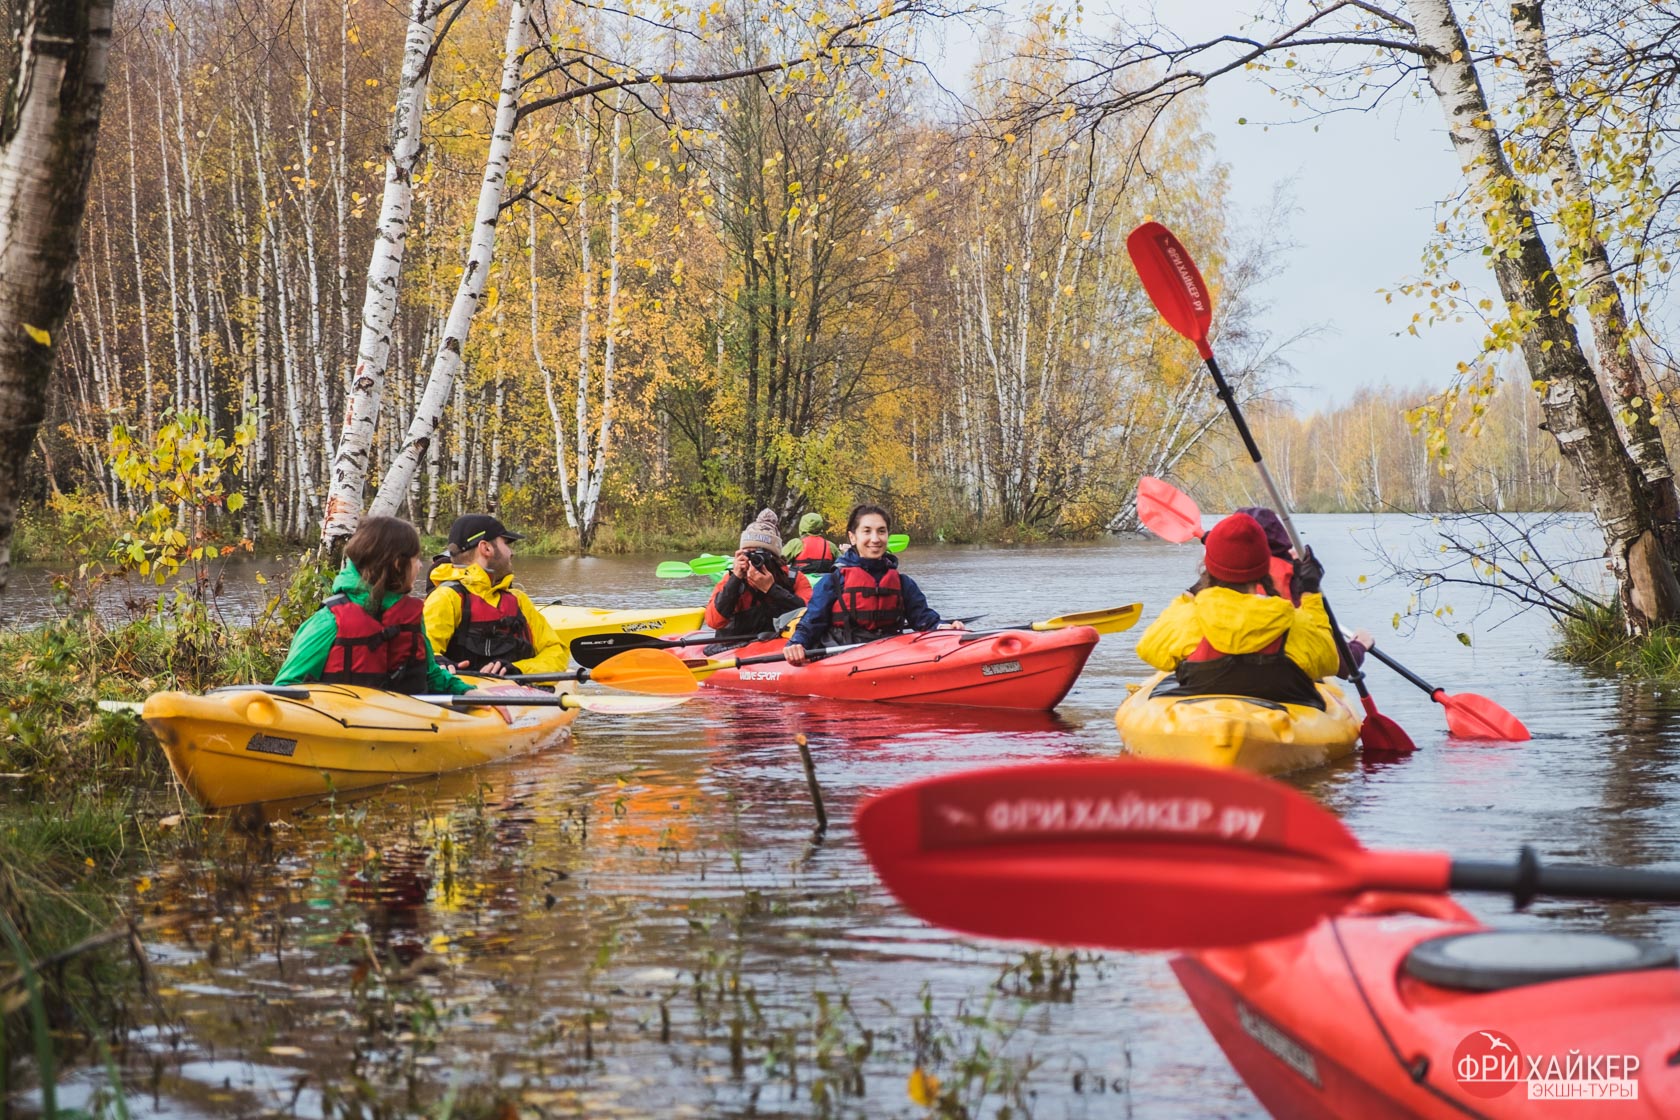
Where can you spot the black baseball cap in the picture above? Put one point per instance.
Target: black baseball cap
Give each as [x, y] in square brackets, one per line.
[473, 528]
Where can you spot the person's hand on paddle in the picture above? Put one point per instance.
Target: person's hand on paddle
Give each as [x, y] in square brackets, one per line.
[955, 624]
[1363, 637]
[493, 669]
[794, 654]
[1309, 574]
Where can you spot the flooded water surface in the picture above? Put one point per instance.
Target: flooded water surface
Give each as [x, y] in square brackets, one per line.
[638, 923]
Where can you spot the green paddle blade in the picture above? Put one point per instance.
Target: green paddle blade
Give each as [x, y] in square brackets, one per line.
[706, 564]
[898, 542]
[673, 569]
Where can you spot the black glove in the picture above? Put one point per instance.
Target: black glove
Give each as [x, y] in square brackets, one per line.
[1309, 573]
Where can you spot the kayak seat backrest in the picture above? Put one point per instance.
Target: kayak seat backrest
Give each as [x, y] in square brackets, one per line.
[1494, 960]
[1273, 705]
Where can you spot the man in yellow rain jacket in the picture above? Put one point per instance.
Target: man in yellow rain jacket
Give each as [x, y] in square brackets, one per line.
[1235, 633]
[476, 619]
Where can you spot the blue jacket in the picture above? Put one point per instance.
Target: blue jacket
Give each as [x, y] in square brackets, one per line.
[813, 628]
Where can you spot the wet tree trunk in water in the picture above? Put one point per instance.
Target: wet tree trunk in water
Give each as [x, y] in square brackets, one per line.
[49, 126]
[1576, 412]
[1578, 217]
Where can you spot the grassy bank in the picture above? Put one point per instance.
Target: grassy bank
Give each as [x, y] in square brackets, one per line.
[1598, 639]
[86, 800]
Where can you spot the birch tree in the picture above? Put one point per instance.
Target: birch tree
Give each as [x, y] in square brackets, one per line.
[49, 127]
[366, 389]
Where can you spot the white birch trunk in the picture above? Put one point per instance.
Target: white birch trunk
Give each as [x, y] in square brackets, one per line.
[470, 293]
[548, 387]
[379, 304]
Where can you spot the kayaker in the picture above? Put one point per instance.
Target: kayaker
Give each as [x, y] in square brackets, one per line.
[477, 617]
[866, 597]
[759, 587]
[371, 631]
[1283, 575]
[1235, 634]
[811, 553]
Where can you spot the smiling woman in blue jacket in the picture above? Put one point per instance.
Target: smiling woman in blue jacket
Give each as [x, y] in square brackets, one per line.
[865, 597]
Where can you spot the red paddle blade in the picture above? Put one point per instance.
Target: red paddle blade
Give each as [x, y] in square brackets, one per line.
[1173, 281]
[1476, 717]
[1379, 733]
[1122, 854]
[1167, 511]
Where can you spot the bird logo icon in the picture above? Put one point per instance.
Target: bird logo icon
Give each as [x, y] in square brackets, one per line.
[1495, 1042]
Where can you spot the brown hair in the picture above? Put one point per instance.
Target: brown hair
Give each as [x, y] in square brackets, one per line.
[860, 512]
[381, 549]
[1245, 586]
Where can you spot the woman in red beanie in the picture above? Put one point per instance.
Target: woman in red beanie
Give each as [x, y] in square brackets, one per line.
[1235, 634]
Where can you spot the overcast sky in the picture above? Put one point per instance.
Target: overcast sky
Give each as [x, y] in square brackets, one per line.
[1365, 187]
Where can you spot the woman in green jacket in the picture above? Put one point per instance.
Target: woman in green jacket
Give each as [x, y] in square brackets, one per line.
[372, 632]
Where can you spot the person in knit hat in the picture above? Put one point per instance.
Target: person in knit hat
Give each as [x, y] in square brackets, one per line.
[759, 587]
[1283, 576]
[1235, 634]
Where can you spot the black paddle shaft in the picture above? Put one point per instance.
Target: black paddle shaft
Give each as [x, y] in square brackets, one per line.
[1230, 399]
[1528, 878]
[1402, 670]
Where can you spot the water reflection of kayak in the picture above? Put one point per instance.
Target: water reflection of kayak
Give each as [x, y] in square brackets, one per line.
[1019, 669]
[749, 721]
[1235, 731]
[238, 746]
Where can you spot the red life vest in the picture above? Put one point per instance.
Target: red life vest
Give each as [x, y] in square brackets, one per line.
[816, 555]
[489, 633]
[378, 651]
[1283, 576]
[866, 604]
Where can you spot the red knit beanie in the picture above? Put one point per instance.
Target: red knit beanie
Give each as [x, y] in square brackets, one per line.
[1236, 550]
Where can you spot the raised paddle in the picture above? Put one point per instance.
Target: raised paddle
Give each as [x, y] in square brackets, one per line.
[1166, 511]
[1128, 854]
[1109, 620]
[1175, 286]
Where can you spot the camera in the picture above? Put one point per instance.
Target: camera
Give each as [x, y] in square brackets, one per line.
[761, 559]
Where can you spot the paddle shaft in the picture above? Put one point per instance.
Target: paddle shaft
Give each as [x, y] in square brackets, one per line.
[1231, 406]
[1402, 670]
[1529, 878]
[497, 700]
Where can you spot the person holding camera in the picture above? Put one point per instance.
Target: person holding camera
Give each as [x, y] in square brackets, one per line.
[759, 587]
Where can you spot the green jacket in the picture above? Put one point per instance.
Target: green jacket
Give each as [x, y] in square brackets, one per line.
[314, 639]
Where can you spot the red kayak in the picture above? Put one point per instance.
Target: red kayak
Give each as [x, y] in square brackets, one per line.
[1406, 1006]
[1340, 982]
[1021, 669]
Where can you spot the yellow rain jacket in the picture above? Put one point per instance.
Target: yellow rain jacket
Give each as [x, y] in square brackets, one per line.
[443, 615]
[1238, 622]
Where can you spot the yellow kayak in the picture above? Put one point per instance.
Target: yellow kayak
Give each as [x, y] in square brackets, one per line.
[242, 745]
[1235, 731]
[575, 622]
